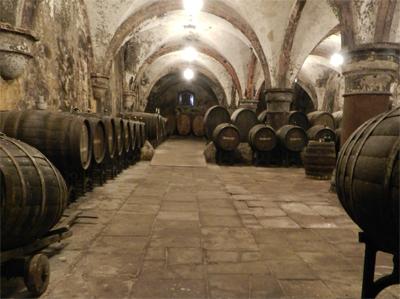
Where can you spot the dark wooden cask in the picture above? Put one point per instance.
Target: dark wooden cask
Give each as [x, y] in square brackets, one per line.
[367, 179]
[319, 159]
[133, 135]
[111, 134]
[298, 118]
[318, 133]
[262, 138]
[262, 117]
[244, 120]
[127, 136]
[99, 137]
[226, 137]
[198, 126]
[64, 139]
[120, 131]
[152, 121]
[142, 132]
[292, 138]
[33, 194]
[338, 116]
[183, 124]
[321, 118]
[171, 124]
[215, 116]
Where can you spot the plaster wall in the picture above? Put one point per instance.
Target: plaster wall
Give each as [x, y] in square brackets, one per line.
[61, 66]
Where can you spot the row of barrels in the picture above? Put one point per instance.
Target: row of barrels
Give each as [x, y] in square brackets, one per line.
[73, 142]
[40, 154]
[252, 129]
[184, 125]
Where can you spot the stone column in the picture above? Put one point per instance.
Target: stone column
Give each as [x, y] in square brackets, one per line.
[369, 70]
[99, 88]
[249, 104]
[278, 106]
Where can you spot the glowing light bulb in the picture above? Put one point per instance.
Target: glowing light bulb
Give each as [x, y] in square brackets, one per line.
[336, 59]
[189, 54]
[188, 74]
[193, 6]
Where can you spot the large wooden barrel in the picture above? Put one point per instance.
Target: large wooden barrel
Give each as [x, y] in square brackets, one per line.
[215, 116]
[338, 116]
[183, 124]
[198, 126]
[318, 133]
[171, 124]
[142, 132]
[292, 138]
[262, 117]
[127, 136]
[367, 179]
[111, 134]
[338, 134]
[152, 121]
[244, 120]
[298, 118]
[262, 138]
[321, 118]
[319, 159]
[133, 135]
[226, 137]
[120, 132]
[64, 139]
[33, 194]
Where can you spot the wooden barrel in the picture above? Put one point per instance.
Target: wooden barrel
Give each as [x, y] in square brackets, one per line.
[292, 138]
[133, 135]
[171, 124]
[138, 133]
[319, 159]
[64, 139]
[152, 121]
[127, 136]
[321, 118]
[215, 116]
[163, 125]
[226, 137]
[99, 138]
[262, 117]
[33, 194]
[262, 138]
[111, 134]
[142, 132]
[298, 118]
[183, 124]
[367, 179]
[244, 120]
[120, 132]
[338, 116]
[338, 134]
[318, 133]
[198, 126]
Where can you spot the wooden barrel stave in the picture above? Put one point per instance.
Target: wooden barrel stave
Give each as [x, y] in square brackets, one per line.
[34, 194]
[215, 116]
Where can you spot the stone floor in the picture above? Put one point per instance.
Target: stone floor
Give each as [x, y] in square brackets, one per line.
[207, 231]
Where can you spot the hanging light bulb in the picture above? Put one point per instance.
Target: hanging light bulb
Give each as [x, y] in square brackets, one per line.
[189, 54]
[336, 59]
[188, 74]
[193, 7]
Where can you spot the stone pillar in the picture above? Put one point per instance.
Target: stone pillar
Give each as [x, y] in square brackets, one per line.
[369, 70]
[278, 106]
[99, 88]
[249, 104]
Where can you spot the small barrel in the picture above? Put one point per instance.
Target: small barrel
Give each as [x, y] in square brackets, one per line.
[127, 136]
[292, 138]
[338, 116]
[367, 179]
[171, 124]
[33, 194]
[262, 138]
[244, 120]
[198, 126]
[319, 159]
[262, 117]
[321, 118]
[183, 124]
[226, 137]
[318, 133]
[215, 116]
[64, 139]
[298, 118]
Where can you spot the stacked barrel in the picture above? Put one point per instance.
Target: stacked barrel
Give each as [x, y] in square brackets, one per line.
[86, 148]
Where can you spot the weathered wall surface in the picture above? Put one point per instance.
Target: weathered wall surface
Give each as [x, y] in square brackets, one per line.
[61, 67]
